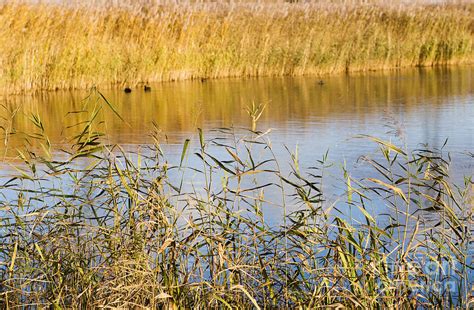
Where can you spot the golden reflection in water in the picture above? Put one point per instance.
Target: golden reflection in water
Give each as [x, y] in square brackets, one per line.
[179, 108]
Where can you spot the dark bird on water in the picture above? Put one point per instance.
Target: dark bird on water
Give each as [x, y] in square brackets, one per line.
[321, 82]
[127, 90]
[146, 88]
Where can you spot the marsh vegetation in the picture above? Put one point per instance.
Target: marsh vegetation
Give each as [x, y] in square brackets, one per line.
[91, 225]
[48, 47]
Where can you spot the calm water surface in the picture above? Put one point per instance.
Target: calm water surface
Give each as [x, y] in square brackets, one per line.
[424, 105]
[409, 107]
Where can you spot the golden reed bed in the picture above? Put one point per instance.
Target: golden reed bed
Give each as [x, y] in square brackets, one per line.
[47, 47]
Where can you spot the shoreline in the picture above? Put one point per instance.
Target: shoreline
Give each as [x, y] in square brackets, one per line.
[121, 85]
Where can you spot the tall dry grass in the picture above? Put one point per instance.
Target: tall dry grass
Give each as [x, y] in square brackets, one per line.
[46, 47]
[121, 230]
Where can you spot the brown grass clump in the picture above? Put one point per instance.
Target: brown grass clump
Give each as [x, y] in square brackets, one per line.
[47, 47]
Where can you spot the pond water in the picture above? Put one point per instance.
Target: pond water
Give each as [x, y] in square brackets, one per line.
[409, 107]
[418, 105]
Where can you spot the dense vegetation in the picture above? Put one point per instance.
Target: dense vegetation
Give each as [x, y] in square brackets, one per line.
[46, 47]
[93, 226]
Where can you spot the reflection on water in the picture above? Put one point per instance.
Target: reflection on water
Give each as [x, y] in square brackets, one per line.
[421, 105]
[408, 107]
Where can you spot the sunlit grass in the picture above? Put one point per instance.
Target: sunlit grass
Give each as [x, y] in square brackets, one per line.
[51, 47]
[99, 227]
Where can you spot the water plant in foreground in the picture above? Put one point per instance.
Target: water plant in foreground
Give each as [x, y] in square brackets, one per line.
[92, 225]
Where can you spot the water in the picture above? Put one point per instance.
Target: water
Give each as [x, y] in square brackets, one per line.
[409, 107]
[420, 105]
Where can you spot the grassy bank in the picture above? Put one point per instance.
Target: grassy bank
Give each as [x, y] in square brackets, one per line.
[48, 47]
[96, 227]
